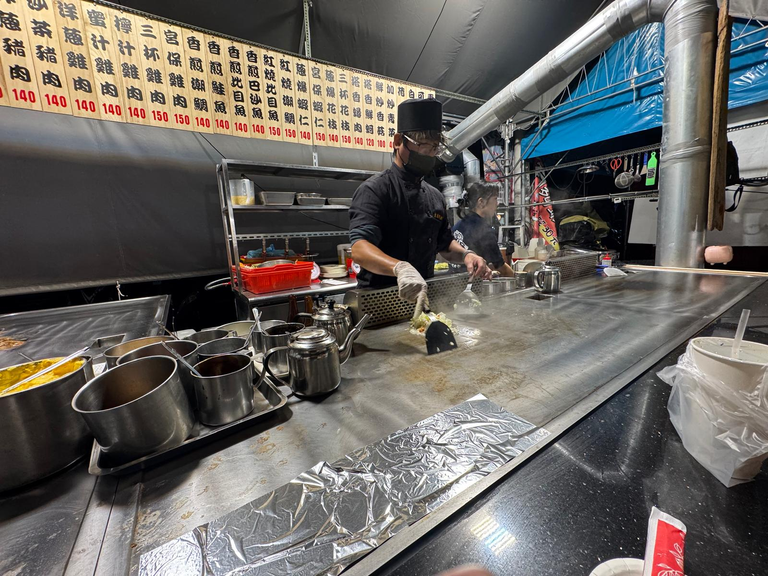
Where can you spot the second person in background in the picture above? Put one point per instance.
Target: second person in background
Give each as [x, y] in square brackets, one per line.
[474, 230]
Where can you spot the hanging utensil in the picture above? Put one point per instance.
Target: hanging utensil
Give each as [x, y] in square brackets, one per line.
[650, 178]
[637, 169]
[615, 165]
[644, 171]
[625, 179]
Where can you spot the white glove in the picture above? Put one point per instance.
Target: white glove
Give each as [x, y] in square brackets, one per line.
[409, 282]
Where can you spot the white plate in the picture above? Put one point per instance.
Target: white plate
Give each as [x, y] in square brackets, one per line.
[619, 567]
[334, 275]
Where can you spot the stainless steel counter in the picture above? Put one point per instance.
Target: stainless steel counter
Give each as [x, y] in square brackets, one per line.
[535, 357]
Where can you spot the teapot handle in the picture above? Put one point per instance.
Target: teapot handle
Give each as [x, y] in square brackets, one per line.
[303, 315]
[266, 368]
[536, 282]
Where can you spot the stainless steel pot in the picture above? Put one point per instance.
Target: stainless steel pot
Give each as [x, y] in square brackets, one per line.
[207, 335]
[241, 329]
[222, 346]
[136, 408]
[112, 354]
[332, 317]
[277, 337]
[225, 391]
[259, 344]
[547, 279]
[40, 432]
[186, 348]
[314, 359]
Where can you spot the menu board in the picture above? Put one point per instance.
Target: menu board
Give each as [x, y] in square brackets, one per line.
[102, 52]
[93, 61]
[179, 97]
[44, 46]
[129, 65]
[18, 60]
[254, 85]
[233, 53]
[196, 66]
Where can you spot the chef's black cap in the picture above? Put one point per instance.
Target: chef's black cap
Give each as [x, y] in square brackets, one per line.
[420, 115]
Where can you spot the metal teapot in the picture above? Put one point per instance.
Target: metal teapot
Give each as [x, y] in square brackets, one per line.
[314, 359]
[333, 317]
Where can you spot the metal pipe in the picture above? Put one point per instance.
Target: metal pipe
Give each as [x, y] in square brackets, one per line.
[689, 49]
[589, 41]
[471, 168]
[689, 56]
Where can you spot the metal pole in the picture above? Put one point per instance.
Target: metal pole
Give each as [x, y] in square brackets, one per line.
[689, 48]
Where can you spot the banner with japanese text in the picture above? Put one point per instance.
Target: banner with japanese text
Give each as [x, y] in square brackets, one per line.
[93, 61]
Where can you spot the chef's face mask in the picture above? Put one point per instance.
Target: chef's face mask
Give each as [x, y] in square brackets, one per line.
[418, 164]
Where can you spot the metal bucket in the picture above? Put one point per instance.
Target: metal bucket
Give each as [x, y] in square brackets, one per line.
[136, 408]
[112, 354]
[222, 346]
[278, 336]
[241, 329]
[207, 335]
[40, 432]
[186, 348]
[225, 392]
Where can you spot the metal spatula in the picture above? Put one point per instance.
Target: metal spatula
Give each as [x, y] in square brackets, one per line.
[438, 335]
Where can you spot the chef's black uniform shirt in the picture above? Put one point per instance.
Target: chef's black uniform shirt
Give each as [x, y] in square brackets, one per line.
[474, 232]
[404, 217]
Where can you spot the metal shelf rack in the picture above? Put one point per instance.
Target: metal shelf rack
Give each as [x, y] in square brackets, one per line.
[228, 210]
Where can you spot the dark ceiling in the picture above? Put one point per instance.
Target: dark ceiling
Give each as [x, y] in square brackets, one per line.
[473, 47]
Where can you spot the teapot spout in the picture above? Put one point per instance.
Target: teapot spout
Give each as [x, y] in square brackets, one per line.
[346, 348]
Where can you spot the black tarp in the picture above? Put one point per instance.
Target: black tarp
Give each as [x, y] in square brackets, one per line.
[473, 47]
[85, 202]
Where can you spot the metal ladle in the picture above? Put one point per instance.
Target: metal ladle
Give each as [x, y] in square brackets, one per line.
[180, 358]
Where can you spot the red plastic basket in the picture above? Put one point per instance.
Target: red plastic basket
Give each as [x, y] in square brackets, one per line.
[277, 278]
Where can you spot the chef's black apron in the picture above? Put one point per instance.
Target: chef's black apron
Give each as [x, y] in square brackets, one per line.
[404, 217]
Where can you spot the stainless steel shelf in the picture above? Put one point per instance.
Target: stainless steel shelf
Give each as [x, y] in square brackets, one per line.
[316, 289]
[280, 235]
[262, 208]
[295, 170]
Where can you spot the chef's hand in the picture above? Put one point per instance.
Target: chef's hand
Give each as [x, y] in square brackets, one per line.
[476, 267]
[422, 302]
[409, 282]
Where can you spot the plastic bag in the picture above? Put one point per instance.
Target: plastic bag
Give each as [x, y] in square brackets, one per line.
[726, 430]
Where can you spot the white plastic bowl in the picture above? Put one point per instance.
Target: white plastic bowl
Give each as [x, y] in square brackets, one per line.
[713, 357]
[619, 567]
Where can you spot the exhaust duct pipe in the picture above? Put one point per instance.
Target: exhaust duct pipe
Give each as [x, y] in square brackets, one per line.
[689, 27]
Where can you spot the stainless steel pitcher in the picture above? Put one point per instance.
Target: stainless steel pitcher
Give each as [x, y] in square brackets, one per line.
[547, 279]
[314, 359]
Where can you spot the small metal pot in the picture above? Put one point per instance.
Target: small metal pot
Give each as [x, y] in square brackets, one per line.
[225, 391]
[258, 337]
[276, 337]
[112, 354]
[207, 335]
[40, 432]
[222, 346]
[241, 329]
[136, 408]
[186, 348]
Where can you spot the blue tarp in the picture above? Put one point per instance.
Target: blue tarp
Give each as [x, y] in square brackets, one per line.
[574, 124]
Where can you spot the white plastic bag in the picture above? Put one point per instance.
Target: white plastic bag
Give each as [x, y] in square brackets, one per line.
[726, 430]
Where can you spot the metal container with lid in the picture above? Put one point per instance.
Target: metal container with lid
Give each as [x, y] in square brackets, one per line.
[335, 318]
[315, 359]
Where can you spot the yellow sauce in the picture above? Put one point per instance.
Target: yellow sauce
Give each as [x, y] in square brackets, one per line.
[14, 374]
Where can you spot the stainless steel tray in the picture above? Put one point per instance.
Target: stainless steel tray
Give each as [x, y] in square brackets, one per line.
[267, 399]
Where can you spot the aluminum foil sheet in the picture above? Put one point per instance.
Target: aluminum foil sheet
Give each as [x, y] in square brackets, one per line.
[333, 514]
